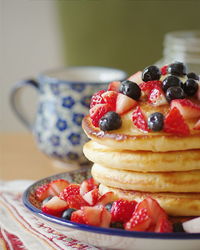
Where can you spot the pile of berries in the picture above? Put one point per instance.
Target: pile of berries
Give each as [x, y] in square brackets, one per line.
[82, 203]
[157, 87]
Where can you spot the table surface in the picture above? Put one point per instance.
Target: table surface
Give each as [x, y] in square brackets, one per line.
[21, 159]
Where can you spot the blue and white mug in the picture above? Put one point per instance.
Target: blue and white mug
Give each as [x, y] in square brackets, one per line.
[64, 99]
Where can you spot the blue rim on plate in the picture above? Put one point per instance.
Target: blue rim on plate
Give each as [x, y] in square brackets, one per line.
[84, 173]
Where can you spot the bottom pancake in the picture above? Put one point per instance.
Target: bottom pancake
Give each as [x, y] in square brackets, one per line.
[175, 204]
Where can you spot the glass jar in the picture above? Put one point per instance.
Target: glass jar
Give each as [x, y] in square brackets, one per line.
[182, 46]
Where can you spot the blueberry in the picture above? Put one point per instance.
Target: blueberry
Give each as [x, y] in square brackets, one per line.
[174, 93]
[110, 121]
[67, 213]
[177, 69]
[46, 200]
[190, 87]
[171, 81]
[108, 206]
[156, 121]
[118, 225]
[151, 73]
[131, 89]
[178, 227]
[193, 76]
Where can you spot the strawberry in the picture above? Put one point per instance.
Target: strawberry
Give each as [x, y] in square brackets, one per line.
[163, 225]
[124, 104]
[192, 226]
[137, 77]
[140, 221]
[42, 192]
[164, 70]
[91, 197]
[175, 124]
[139, 120]
[55, 206]
[72, 189]
[105, 218]
[76, 201]
[197, 125]
[92, 215]
[57, 186]
[110, 98]
[122, 210]
[147, 87]
[157, 97]
[98, 111]
[114, 86]
[88, 185]
[97, 98]
[187, 108]
[106, 198]
[77, 217]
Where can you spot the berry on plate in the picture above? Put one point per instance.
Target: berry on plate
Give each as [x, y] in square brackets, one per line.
[157, 97]
[110, 98]
[122, 210]
[106, 198]
[130, 89]
[42, 192]
[68, 213]
[58, 186]
[139, 120]
[177, 69]
[55, 206]
[110, 121]
[174, 123]
[88, 185]
[171, 81]
[151, 73]
[76, 201]
[163, 225]
[97, 98]
[190, 87]
[164, 70]
[124, 104]
[156, 121]
[147, 87]
[91, 197]
[174, 93]
[77, 217]
[187, 108]
[72, 189]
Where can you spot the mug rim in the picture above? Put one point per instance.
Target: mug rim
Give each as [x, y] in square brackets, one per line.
[44, 76]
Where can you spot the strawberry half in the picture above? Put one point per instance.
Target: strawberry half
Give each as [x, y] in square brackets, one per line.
[122, 210]
[157, 97]
[137, 77]
[98, 111]
[197, 125]
[124, 104]
[147, 87]
[139, 120]
[92, 215]
[164, 70]
[114, 86]
[110, 98]
[88, 185]
[91, 197]
[42, 192]
[72, 189]
[97, 98]
[187, 108]
[57, 186]
[55, 206]
[77, 216]
[105, 218]
[174, 123]
[106, 198]
[163, 225]
[76, 201]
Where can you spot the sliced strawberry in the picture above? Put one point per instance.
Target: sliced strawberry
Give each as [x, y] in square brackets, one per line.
[106, 198]
[187, 108]
[139, 119]
[91, 197]
[137, 77]
[175, 124]
[114, 86]
[77, 216]
[57, 186]
[124, 104]
[147, 87]
[110, 97]
[105, 218]
[197, 125]
[55, 206]
[72, 189]
[140, 221]
[157, 97]
[163, 225]
[164, 70]
[76, 201]
[98, 111]
[97, 98]
[42, 192]
[122, 210]
[92, 215]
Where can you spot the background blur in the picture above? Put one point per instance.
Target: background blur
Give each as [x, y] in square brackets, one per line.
[36, 35]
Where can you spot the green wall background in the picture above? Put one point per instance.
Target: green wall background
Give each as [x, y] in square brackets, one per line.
[126, 34]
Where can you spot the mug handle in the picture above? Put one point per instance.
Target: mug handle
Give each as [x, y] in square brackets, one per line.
[15, 97]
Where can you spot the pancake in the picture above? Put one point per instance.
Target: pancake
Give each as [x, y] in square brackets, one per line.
[185, 181]
[175, 204]
[143, 161]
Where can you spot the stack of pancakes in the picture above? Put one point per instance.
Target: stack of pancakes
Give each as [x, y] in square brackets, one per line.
[134, 164]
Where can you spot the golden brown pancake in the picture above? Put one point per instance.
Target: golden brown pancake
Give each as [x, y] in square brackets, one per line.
[143, 161]
[175, 204]
[185, 181]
